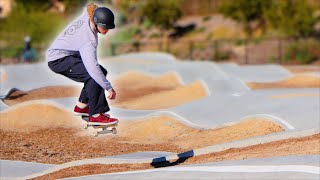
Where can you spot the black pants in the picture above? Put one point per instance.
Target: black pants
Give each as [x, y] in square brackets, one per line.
[92, 93]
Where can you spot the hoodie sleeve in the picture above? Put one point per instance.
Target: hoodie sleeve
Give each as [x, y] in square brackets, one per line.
[88, 54]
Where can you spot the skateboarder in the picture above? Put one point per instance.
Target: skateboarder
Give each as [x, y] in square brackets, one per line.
[74, 54]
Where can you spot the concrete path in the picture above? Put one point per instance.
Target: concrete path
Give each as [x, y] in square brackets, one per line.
[14, 169]
[257, 73]
[308, 160]
[27, 77]
[203, 175]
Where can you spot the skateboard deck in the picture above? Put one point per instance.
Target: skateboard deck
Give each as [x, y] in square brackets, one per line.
[98, 129]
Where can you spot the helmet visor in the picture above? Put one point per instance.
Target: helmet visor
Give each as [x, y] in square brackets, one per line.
[104, 26]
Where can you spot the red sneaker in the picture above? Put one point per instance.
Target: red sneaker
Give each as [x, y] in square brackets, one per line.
[102, 119]
[79, 112]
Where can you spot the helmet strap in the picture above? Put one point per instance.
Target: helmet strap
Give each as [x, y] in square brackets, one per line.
[97, 28]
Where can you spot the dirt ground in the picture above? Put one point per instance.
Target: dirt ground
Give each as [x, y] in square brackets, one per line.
[132, 85]
[166, 98]
[58, 136]
[299, 81]
[28, 117]
[165, 129]
[295, 146]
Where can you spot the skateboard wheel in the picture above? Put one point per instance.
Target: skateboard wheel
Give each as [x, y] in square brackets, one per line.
[85, 126]
[114, 130]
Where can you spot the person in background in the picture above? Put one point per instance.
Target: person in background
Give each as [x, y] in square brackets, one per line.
[28, 54]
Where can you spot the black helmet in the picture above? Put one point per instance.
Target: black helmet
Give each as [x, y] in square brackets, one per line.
[104, 18]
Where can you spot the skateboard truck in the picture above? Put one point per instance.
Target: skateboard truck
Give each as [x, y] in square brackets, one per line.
[95, 130]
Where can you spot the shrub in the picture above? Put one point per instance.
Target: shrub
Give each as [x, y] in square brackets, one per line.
[291, 17]
[221, 53]
[155, 35]
[125, 35]
[162, 13]
[304, 52]
[147, 24]
[206, 18]
[12, 51]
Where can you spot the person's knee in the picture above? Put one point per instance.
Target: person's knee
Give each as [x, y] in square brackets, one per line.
[92, 84]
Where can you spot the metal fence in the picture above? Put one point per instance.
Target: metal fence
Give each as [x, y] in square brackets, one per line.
[242, 51]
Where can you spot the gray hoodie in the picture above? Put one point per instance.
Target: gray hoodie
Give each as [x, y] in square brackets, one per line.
[80, 38]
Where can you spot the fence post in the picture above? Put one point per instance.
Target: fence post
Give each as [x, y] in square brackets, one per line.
[113, 49]
[160, 46]
[191, 46]
[280, 50]
[215, 50]
[167, 46]
[246, 51]
[136, 45]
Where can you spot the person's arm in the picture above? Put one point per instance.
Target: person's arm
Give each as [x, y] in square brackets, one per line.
[89, 57]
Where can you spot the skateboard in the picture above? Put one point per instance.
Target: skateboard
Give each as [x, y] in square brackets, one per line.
[98, 129]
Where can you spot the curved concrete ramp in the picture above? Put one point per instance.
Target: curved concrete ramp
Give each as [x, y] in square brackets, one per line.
[39, 75]
[188, 70]
[228, 86]
[31, 76]
[299, 108]
[301, 112]
[257, 73]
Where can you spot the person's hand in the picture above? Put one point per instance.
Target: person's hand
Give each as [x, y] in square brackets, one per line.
[112, 94]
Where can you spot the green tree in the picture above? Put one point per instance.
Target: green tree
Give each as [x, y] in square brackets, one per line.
[162, 13]
[292, 17]
[247, 12]
[24, 20]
